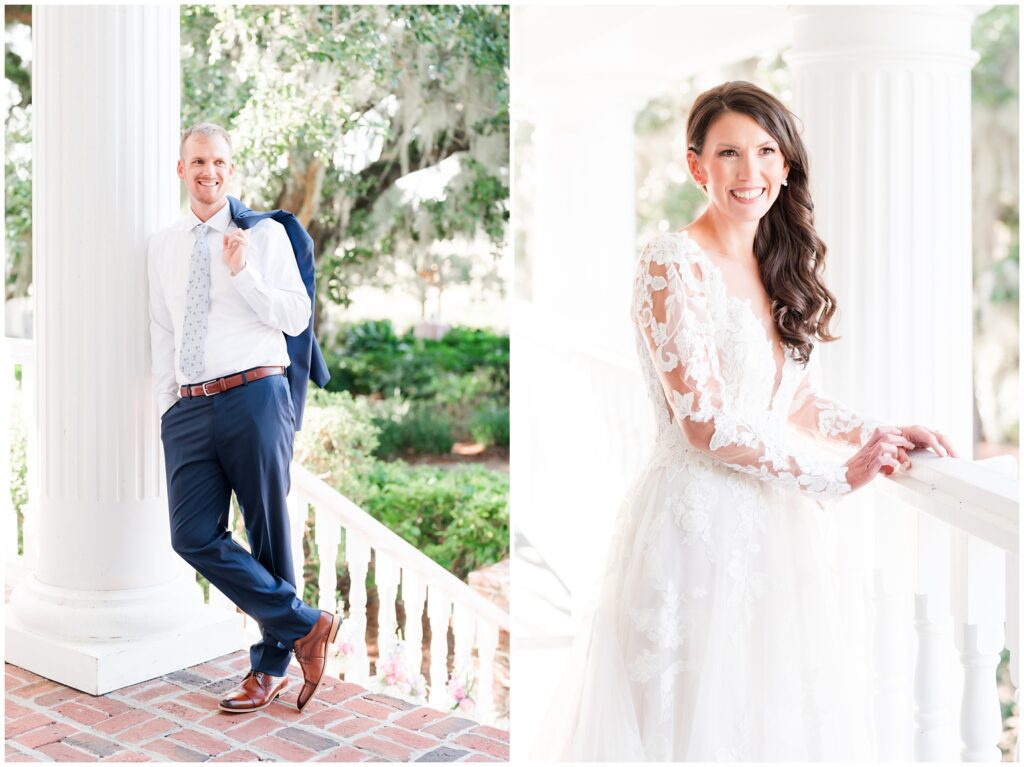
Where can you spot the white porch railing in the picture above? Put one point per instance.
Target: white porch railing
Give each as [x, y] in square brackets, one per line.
[937, 549]
[343, 532]
[961, 566]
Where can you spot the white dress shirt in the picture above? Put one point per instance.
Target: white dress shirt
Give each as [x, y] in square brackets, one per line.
[249, 312]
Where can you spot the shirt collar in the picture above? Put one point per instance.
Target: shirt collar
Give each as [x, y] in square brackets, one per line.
[219, 220]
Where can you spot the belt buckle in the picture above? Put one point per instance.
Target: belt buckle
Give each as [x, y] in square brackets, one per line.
[209, 393]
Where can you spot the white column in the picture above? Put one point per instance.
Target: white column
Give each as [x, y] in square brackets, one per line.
[105, 603]
[884, 97]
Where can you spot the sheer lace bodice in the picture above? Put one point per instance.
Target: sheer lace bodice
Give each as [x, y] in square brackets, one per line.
[711, 370]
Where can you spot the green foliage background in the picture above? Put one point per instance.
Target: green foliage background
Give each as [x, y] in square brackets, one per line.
[331, 106]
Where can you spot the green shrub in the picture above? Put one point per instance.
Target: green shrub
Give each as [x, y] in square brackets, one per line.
[368, 358]
[338, 440]
[490, 427]
[406, 428]
[457, 517]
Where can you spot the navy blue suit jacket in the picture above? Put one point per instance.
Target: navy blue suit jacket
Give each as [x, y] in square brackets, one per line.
[307, 361]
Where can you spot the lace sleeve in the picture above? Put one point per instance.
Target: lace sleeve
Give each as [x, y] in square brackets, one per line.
[825, 418]
[671, 308]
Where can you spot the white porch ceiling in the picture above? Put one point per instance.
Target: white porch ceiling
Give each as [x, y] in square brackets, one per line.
[643, 48]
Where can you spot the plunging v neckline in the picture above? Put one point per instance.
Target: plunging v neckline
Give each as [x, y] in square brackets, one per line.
[719, 277]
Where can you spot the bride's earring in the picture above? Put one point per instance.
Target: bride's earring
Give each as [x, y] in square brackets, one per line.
[785, 182]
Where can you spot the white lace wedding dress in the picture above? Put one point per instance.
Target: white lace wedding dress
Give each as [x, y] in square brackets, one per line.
[717, 635]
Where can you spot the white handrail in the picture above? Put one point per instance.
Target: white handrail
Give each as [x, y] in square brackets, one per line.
[966, 495]
[314, 490]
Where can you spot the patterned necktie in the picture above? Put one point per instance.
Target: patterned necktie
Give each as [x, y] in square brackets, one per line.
[197, 308]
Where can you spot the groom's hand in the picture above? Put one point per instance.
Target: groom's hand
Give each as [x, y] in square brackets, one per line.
[235, 245]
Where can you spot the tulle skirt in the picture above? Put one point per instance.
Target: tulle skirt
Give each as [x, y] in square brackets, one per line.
[717, 634]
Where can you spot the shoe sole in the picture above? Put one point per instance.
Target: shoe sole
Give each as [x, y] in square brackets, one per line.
[335, 625]
[255, 708]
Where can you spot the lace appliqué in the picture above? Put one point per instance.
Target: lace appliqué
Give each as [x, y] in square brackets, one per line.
[690, 510]
[666, 625]
[825, 418]
[675, 290]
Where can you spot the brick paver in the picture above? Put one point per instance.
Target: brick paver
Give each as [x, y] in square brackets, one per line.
[483, 745]
[419, 718]
[94, 744]
[446, 727]
[344, 754]
[82, 714]
[238, 755]
[385, 748]
[24, 724]
[60, 752]
[443, 754]
[411, 739]
[176, 718]
[354, 726]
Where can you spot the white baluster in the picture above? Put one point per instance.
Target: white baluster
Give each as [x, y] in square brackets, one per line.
[487, 646]
[413, 598]
[327, 533]
[933, 698]
[386, 575]
[463, 631]
[298, 512]
[439, 610]
[933, 715]
[357, 557]
[979, 578]
[980, 715]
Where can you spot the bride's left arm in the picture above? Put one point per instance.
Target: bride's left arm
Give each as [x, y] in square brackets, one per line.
[825, 418]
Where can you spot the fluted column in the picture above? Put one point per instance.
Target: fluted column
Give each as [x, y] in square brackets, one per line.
[106, 602]
[884, 96]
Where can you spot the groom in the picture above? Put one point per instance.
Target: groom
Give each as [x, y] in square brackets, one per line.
[231, 296]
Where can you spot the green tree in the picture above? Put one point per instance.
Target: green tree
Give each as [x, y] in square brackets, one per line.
[18, 151]
[343, 114]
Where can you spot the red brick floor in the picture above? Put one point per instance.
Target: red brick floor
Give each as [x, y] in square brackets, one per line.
[175, 718]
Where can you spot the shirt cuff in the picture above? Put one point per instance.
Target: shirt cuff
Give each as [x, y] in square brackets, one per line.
[247, 279]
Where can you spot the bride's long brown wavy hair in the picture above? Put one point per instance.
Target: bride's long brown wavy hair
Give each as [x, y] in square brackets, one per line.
[789, 252]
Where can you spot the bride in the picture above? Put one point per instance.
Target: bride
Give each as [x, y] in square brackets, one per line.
[716, 635]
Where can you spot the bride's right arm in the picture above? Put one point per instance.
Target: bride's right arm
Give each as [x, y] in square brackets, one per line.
[670, 307]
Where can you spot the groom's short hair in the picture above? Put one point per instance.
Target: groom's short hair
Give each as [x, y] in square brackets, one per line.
[204, 129]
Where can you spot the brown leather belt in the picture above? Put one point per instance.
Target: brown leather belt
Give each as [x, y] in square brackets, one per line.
[218, 385]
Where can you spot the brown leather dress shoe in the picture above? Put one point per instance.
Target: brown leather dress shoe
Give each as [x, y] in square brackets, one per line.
[311, 653]
[257, 691]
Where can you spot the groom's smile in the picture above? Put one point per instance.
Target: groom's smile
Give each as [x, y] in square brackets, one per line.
[206, 167]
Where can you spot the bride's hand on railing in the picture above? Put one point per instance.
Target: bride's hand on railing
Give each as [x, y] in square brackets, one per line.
[885, 451]
[922, 437]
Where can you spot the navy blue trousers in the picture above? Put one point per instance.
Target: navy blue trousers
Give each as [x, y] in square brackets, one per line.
[239, 440]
